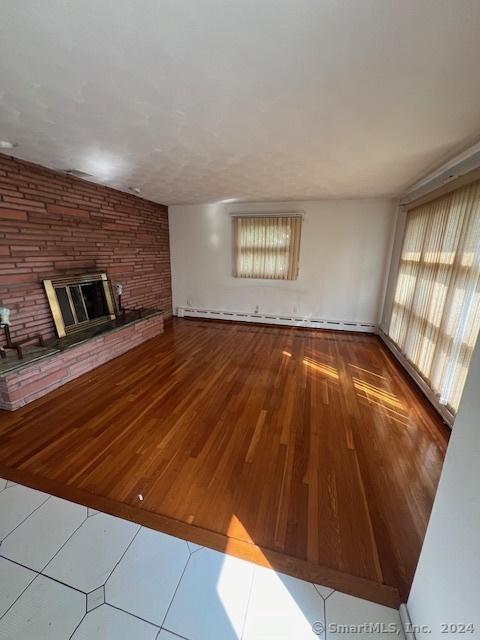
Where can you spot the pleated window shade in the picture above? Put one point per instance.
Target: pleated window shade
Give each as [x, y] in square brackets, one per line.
[266, 247]
[436, 311]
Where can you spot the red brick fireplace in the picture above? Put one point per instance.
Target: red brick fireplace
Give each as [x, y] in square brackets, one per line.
[54, 226]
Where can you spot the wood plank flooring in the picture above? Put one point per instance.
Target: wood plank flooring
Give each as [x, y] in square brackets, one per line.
[307, 450]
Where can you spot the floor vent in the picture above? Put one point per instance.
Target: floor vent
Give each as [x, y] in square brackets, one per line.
[290, 321]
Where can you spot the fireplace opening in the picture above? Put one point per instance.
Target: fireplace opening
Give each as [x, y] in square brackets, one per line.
[82, 302]
[79, 302]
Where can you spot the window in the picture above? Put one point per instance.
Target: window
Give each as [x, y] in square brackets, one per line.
[436, 310]
[266, 246]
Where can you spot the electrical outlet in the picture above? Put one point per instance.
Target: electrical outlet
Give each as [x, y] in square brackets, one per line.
[295, 309]
[257, 308]
[189, 302]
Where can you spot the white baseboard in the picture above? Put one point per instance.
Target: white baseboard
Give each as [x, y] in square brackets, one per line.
[406, 623]
[277, 319]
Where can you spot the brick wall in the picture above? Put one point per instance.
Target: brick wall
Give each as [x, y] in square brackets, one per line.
[51, 224]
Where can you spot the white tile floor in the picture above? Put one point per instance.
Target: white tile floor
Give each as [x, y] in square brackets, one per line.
[68, 572]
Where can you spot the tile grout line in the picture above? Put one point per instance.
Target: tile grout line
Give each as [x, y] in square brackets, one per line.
[82, 619]
[325, 610]
[121, 557]
[175, 592]
[159, 627]
[324, 599]
[177, 635]
[248, 600]
[64, 584]
[27, 517]
[61, 547]
[20, 595]
[47, 577]
[173, 633]
[128, 613]
[77, 627]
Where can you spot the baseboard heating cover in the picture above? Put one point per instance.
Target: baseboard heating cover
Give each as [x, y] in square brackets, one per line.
[284, 320]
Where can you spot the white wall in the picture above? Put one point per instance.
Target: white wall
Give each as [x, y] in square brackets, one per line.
[446, 587]
[344, 258]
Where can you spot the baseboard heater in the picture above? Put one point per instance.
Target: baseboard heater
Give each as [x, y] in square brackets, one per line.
[445, 413]
[283, 320]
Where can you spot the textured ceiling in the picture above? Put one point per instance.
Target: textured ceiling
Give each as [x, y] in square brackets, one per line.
[203, 100]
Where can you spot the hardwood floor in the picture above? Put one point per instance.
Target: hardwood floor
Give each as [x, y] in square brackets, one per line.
[307, 450]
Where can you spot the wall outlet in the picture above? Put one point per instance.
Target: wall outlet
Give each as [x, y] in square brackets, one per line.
[295, 309]
[257, 308]
[189, 302]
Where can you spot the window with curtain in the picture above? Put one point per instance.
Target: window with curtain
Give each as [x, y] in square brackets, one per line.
[266, 246]
[436, 310]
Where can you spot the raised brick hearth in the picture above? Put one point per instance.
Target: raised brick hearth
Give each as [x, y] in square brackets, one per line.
[34, 379]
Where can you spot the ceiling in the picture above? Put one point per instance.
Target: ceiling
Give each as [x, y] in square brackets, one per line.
[205, 100]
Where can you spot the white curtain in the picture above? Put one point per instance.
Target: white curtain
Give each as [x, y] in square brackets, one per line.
[436, 311]
[266, 246]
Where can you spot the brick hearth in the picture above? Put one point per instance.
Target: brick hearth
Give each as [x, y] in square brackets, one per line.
[37, 378]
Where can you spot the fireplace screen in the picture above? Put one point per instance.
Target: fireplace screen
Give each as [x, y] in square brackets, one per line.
[79, 302]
